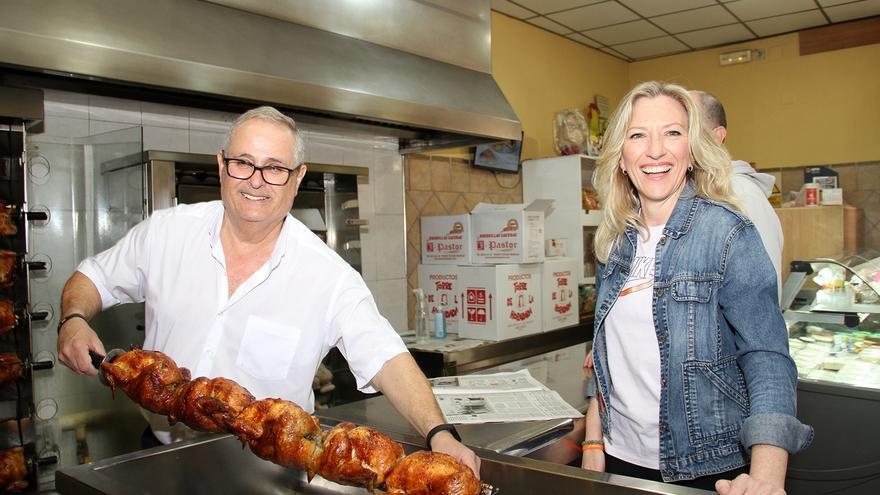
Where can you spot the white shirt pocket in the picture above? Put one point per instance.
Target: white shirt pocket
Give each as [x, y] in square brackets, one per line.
[267, 348]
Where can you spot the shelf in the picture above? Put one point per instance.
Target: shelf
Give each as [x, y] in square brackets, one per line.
[591, 218]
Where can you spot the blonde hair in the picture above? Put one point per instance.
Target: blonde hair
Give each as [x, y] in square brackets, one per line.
[711, 172]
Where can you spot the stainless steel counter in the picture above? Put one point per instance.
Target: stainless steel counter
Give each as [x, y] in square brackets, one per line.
[218, 465]
[516, 439]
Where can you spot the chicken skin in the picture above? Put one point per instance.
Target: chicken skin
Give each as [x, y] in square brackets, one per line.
[431, 473]
[11, 368]
[7, 224]
[150, 378]
[8, 263]
[282, 432]
[357, 455]
[210, 404]
[7, 316]
[12, 470]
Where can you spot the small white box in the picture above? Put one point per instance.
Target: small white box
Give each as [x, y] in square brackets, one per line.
[446, 240]
[508, 233]
[443, 289]
[831, 196]
[500, 301]
[559, 295]
[554, 248]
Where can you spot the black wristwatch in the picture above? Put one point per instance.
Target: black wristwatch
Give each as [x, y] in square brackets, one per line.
[70, 317]
[442, 427]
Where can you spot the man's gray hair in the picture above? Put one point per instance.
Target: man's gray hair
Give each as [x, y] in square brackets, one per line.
[270, 114]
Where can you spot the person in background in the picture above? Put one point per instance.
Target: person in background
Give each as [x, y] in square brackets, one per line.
[751, 188]
[239, 288]
[694, 381]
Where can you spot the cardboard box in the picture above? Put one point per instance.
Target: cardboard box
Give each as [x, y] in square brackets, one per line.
[559, 296]
[443, 289]
[831, 196]
[508, 233]
[446, 240]
[500, 301]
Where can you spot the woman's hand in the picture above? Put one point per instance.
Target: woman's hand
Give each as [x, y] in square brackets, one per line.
[745, 484]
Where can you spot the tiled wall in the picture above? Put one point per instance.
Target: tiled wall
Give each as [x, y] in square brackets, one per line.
[861, 188]
[72, 119]
[438, 185]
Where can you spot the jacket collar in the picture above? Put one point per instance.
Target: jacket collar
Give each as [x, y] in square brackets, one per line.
[684, 212]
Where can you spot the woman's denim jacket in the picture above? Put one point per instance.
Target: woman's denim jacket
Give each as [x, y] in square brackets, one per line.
[727, 381]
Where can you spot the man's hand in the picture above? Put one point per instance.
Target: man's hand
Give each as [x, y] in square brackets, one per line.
[446, 443]
[588, 363]
[747, 485]
[74, 342]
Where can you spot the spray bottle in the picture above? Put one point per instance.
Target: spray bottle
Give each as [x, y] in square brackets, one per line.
[440, 322]
[421, 317]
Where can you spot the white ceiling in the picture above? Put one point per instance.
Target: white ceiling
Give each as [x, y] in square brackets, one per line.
[642, 29]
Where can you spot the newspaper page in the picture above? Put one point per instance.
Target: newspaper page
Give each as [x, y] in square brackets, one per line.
[512, 381]
[499, 397]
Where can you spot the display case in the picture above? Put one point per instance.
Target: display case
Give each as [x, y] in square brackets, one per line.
[832, 311]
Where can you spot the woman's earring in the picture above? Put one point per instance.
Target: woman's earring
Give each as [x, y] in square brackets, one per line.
[691, 167]
[623, 170]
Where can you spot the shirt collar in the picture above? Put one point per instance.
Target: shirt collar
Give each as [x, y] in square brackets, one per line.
[277, 253]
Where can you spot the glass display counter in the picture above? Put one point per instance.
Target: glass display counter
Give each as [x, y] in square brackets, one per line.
[832, 310]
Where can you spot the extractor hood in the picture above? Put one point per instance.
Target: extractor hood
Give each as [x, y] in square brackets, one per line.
[204, 48]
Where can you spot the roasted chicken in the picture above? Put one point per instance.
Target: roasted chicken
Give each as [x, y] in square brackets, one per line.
[13, 470]
[431, 473]
[8, 261]
[282, 432]
[11, 368]
[7, 224]
[150, 378]
[357, 455]
[210, 404]
[7, 316]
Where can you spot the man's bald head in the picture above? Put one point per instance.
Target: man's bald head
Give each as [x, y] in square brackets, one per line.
[713, 113]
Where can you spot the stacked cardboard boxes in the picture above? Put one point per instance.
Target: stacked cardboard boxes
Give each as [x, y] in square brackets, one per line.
[487, 272]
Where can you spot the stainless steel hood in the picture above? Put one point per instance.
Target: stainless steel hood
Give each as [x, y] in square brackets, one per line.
[204, 48]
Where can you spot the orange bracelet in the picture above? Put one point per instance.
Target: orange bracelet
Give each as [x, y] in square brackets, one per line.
[592, 445]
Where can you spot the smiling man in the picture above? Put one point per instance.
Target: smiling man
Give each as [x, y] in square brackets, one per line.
[240, 289]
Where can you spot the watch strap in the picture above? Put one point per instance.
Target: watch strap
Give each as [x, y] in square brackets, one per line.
[442, 427]
[70, 317]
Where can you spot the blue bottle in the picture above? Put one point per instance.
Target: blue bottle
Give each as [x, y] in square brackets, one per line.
[439, 324]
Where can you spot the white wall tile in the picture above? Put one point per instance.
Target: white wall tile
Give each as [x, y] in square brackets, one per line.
[114, 109]
[100, 126]
[65, 104]
[319, 150]
[390, 242]
[166, 139]
[387, 178]
[390, 296]
[357, 157]
[58, 126]
[159, 115]
[205, 142]
[210, 120]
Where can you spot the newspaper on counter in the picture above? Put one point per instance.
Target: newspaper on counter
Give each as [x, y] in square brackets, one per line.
[500, 397]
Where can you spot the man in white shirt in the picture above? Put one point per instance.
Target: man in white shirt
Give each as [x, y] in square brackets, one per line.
[238, 288]
[751, 187]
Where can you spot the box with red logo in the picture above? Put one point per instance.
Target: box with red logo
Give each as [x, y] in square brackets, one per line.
[508, 233]
[559, 296]
[446, 240]
[443, 289]
[500, 301]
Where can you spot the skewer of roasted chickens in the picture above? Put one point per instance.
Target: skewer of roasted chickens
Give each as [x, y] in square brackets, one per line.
[280, 431]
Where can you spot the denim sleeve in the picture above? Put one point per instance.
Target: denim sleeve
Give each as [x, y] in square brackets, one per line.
[748, 302]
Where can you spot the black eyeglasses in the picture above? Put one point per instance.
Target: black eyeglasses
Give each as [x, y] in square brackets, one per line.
[239, 168]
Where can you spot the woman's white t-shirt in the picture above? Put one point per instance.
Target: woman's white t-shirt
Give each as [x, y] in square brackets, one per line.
[634, 363]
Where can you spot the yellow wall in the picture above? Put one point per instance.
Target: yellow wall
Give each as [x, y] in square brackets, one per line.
[541, 73]
[787, 110]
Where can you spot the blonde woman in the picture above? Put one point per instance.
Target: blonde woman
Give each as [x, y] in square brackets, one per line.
[695, 382]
